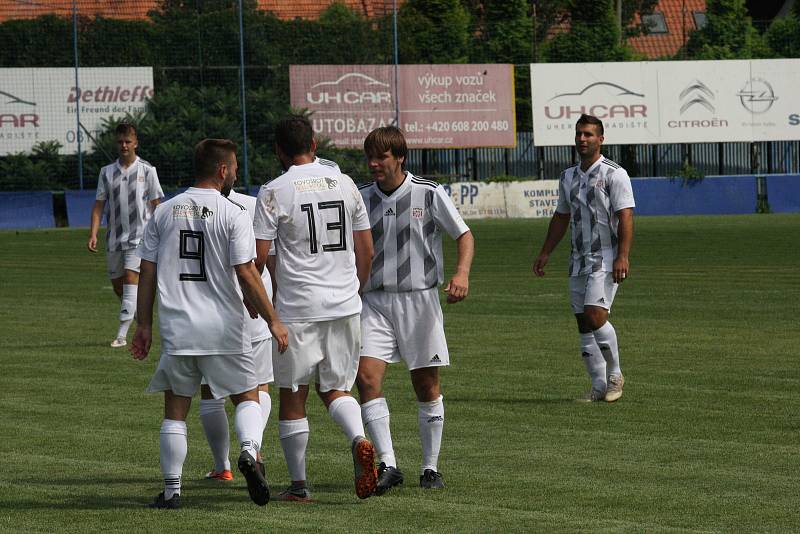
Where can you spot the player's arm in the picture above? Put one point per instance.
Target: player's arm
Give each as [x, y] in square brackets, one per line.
[154, 203]
[555, 232]
[262, 254]
[363, 247]
[94, 224]
[625, 240]
[256, 295]
[458, 287]
[145, 299]
[272, 261]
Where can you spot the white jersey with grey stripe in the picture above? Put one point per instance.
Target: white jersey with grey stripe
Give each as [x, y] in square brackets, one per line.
[407, 230]
[257, 327]
[196, 239]
[311, 212]
[127, 193]
[593, 198]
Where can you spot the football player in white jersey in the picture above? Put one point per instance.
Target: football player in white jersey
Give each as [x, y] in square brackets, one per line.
[315, 216]
[408, 215]
[131, 189]
[195, 249]
[213, 417]
[596, 196]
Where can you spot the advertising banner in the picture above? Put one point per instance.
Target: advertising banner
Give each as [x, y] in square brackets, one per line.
[440, 106]
[668, 101]
[40, 104]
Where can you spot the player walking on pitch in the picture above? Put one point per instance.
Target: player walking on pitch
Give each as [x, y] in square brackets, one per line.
[596, 196]
[130, 187]
[213, 417]
[195, 249]
[324, 248]
[402, 317]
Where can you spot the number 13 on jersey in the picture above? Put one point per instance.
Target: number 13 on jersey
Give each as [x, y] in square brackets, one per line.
[338, 225]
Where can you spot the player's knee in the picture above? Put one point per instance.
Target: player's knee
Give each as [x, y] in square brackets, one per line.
[595, 317]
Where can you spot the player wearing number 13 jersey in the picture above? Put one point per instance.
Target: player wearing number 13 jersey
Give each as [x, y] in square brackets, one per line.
[317, 218]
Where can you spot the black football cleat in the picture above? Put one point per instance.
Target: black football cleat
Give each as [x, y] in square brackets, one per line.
[161, 503]
[388, 477]
[256, 482]
[431, 479]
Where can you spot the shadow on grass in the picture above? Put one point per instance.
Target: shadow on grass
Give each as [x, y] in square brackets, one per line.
[516, 400]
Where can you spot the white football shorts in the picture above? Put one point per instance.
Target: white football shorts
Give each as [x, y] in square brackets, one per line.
[119, 261]
[595, 289]
[324, 350]
[406, 326]
[226, 375]
[262, 355]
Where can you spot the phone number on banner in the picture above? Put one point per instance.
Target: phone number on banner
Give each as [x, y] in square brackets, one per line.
[458, 126]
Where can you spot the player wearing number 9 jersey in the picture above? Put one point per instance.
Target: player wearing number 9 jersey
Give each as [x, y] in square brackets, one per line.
[324, 248]
[195, 249]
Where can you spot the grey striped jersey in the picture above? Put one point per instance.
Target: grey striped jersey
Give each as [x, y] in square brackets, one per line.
[407, 234]
[593, 198]
[127, 193]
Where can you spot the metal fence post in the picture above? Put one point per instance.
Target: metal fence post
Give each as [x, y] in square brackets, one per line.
[77, 89]
[242, 98]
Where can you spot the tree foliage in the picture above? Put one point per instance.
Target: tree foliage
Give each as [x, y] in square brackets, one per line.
[433, 31]
[728, 34]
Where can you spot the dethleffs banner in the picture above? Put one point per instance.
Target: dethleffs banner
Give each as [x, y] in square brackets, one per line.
[669, 101]
[440, 106]
[39, 105]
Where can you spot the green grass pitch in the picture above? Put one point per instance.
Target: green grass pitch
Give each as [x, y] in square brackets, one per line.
[705, 438]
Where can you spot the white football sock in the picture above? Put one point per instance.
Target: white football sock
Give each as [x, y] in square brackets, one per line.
[606, 338]
[431, 424]
[215, 424]
[293, 434]
[128, 307]
[346, 412]
[375, 415]
[247, 422]
[594, 361]
[266, 408]
[173, 446]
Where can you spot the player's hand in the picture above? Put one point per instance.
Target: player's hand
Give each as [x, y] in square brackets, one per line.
[140, 346]
[92, 244]
[539, 263]
[280, 334]
[621, 269]
[457, 289]
[250, 309]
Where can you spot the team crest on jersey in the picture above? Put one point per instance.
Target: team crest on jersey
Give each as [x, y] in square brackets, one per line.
[314, 185]
[417, 213]
[190, 211]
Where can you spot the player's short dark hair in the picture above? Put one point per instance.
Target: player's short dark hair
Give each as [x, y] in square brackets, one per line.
[210, 153]
[294, 135]
[385, 138]
[590, 119]
[125, 128]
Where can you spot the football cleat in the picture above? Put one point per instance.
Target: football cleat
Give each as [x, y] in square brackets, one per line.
[388, 477]
[614, 391]
[225, 475]
[119, 342]
[592, 395]
[366, 475]
[256, 482]
[431, 479]
[160, 502]
[294, 494]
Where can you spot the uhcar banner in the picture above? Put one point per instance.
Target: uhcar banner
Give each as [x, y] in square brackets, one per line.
[39, 105]
[668, 101]
[439, 106]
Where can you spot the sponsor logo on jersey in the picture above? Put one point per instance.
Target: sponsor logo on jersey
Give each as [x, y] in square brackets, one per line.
[436, 359]
[314, 185]
[586, 354]
[191, 211]
[389, 213]
[435, 418]
[417, 213]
